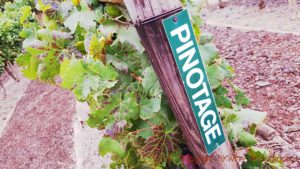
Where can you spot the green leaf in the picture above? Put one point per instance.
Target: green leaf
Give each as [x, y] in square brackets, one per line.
[235, 122]
[241, 98]
[112, 10]
[96, 48]
[31, 70]
[252, 129]
[129, 108]
[98, 118]
[45, 35]
[150, 83]
[125, 35]
[275, 164]
[83, 89]
[26, 11]
[246, 139]
[255, 158]
[144, 128]
[105, 72]
[108, 145]
[72, 72]
[221, 99]
[209, 53]
[117, 63]
[176, 157]
[229, 118]
[50, 67]
[131, 159]
[35, 51]
[42, 7]
[23, 59]
[149, 107]
[206, 38]
[84, 18]
[215, 75]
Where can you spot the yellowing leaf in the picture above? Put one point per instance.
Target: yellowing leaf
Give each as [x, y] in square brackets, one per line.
[97, 48]
[76, 2]
[43, 7]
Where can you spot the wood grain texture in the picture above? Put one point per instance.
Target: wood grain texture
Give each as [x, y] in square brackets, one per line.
[141, 10]
[156, 44]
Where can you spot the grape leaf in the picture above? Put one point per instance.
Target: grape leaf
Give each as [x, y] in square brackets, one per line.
[215, 75]
[43, 6]
[112, 10]
[26, 11]
[221, 99]
[84, 18]
[208, 53]
[50, 67]
[125, 34]
[117, 63]
[255, 158]
[206, 38]
[150, 83]
[105, 72]
[241, 98]
[30, 64]
[129, 108]
[246, 139]
[149, 107]
[144, 129]
[83, 89]
[108, 145]
[23, 59]
[131, 159]
[98, 117]
[71, 72]
[97, 47]
[160, 145]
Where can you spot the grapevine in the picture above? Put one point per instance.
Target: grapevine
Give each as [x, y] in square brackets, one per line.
[10, 41]
[89, 48]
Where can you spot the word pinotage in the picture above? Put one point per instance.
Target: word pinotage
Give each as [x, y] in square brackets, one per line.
[187, 56]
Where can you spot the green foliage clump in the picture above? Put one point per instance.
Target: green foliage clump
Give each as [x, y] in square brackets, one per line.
[10, 27]
[260, 158]
[87, 47]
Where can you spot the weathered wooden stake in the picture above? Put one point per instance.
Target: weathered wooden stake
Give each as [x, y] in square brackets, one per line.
[148, 16]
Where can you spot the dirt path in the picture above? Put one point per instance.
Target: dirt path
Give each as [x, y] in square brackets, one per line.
[39, 133]
[246, 15]
[8, 103]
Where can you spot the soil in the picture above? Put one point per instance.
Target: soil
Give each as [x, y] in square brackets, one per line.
[8, 103]
[267, 64]
[276, 17]
[39, 133]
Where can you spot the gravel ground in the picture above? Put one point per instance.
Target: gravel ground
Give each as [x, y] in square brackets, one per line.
[14, 92]
[267, 67]
[251, 3]
[40, 132]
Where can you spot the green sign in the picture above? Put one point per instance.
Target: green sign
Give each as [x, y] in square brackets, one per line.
[190, 65]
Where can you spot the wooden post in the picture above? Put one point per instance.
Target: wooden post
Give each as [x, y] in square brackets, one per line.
[148, 16]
